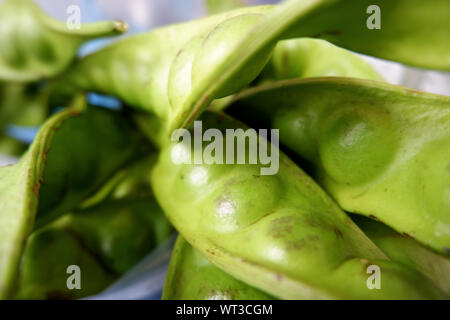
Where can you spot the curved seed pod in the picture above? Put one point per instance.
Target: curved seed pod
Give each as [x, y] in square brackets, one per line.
[218, 6]
[111, 237]
[35, 46]
[306, 58]
[380, 150]
[407, 251]
[175, 72]
[44, 267]
[74, 153]
[192, 277]
[121, 232]
[280, 233]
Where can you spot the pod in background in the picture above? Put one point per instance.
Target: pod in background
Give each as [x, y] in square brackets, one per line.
[173, 73]
[74, 153]
[34, 46]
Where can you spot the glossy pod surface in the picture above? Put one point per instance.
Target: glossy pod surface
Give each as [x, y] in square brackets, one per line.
[34, 46]
[192, 277]
[175, 72]
[298, 243]
[401, 249]
[380, 150]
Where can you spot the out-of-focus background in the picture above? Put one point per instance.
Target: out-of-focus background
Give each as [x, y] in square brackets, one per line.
[147, 278]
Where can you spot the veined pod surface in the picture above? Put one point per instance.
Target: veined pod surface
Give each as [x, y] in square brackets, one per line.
[192, 277]
[176, 71]
[34, 46]
[279, 233]
[73, 154]
[405, 250]
[380, 150]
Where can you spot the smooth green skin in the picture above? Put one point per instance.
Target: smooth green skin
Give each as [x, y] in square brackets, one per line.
[298, 243]
[74, 153]
[408, 252]
[379, 150]
[34, 46]
[175, 72]
[306, 58]
[43, 270]
[192, 277]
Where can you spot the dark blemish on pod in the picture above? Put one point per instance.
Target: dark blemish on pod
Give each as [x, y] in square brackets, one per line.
[333, 32]
[373, 217]
[338, 233]
[279, 227]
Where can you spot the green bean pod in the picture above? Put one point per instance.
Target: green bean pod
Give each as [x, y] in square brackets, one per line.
[380, 150]
[405, 250]
[175, 72]
[34, 46]
[73, 154]
[105, 241]
[192, 277]
[49, 253]
[279, 233]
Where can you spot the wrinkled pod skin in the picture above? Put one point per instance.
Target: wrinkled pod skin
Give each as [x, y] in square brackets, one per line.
[298, 243]
[405, 250]
[173, 73]
[192, 277]
[34, 46]
[379, 150]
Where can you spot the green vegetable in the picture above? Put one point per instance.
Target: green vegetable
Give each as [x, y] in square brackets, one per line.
[175, 72]
[192, 277]
[74, 153]
[280, 233]
[11, 146]
[48, 254]
[306, 58]
[105, 241]
[122, 232]
[407, 251]
[380, 150]
[34, 46]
